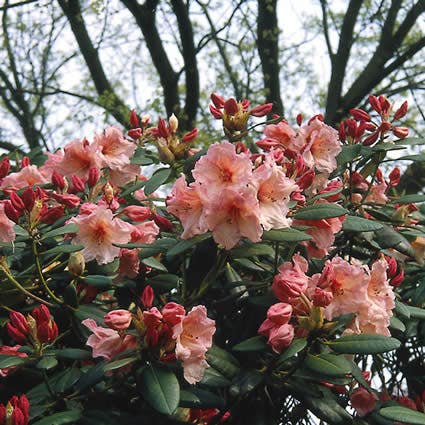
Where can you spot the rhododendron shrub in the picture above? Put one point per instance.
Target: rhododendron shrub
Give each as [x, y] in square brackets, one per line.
[272, 276]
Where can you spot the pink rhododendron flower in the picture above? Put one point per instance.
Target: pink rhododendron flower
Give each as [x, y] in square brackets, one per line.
[52, 164]
[173, 313]
[232, 215]
[6, 350]
[28, 176]
[284, 136]
[146, 232]
[112, 148]
[222, 167]
[273, 193]
[185, 203]
[118, 319]
[129, 263]
[7, 232]
[323, 146]
[291, 281]
[106, 342]
[377, 193]
[98, 231]
[124, 175]
[193, 339]
[363, 401]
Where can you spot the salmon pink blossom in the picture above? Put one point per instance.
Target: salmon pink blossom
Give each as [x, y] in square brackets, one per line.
[118, 319]
[98, 232]
[28, 176]
[193, 337]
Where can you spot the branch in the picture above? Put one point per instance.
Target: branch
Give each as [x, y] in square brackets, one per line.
[109, 99]
[21, 3]
[324, 5]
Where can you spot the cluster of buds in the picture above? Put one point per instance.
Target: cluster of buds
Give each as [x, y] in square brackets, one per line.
[235, 114]
[4, 167]
[170, 146]
[16, 411]
[37, 328]
[138, 125]
[354, 129]
[395, 273]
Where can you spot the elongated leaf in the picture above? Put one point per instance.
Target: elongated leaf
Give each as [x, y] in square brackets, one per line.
[200, 399]
[364, 344]
[285, 235]
[73, 354]
[68, 417]
[154, 263]
[98, 281]
[186, 244]
[251, 251]
[320, 211]
[94, 375]
[9, 361]
[256, 343]
[213, 378]
[223, 361]
[68, 228]
[349, 153]
[296, 346]
[48, 362]
[328, 364]
[416, 312]
[119, 363]
[358, 224]
[158, 178]
[160, 388]
[403, 414]
[402, 309]
[397, 324]
[408, 199]
[63, 249]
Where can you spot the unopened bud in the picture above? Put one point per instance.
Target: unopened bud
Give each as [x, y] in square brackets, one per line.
[11, 212]
[93, 178]
[371, 139]
[392, 267]
[137, 213]
[173, 124]
[394, 177]
[359, 114]
[76, 264]
[163, 223]
[25, 162]
[145, 120]
[134, 119]
[374, 102]
[189, 137]
[261, 110]
[162, 129]
[397, 280]
[341, 131]
[28, 198]
[17, 202]
[299, 119]
[108, 190]
[401, 132]
[217, 100]
[4, 167]
[147, 297]
[231, 106]
[306, 180]
[402, 111]
[216, 113]
[58, 180]
[385, 126]
[135, 133]
[351, 127]
[78, 184]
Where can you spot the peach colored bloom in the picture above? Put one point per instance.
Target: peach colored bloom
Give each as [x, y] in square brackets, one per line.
[6, 350]
[193, 337]
[124, 175]
[222, 167]
[28, 176]
[129, 263]
[323, 146]
[118, 319]
[98, 231]
[273, 193]
[377, 193]
[79, 157]
[146, 232]
[106, 342]
[292, 280]
[232, 215]
[51, 164]
[284, 136]
[173, 313]
[7, 232]
[185, 203]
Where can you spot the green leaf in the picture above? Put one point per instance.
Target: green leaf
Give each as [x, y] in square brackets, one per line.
[256, 343]
[223, 361]
[387, 237]
[213, 378]
[184, 245]
[160, 245]
[68, 228]
[158, 178]
[98, 281]
[89, 311]
[328, 364]
[132, 188]
[140, 157]
[320, 211]
[94, 375]
[397, 324]
[119, 363]
[252, 250]
[73, 354]
[68, 417]
[411, 141]
[200, 399]
[67, 379]
[9, 361]
[245, 382]
[47, 362]
[403, 414]
[63, 249]
[349, 153]
[161, 389]
[154, 263]
[364, 344]
[296, 346]
[285, 235]
[359, 224]
[410, 199]
[416, 312]
[402, 309]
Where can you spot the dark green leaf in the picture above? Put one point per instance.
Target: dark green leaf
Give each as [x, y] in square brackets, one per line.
[47, 362]
[119, 363]
[154, 263]
[63, 249]
[358, 224]
[397, 324]
[186, 244]
[328, 364]
[410, 199]
[285, 235]
[158, 178]
[9, 361]
[403, 414]
[296, 346]
[252, 250]
[320, 211]
[200, 399]
[89, 311]
[416, 312]
[349, 153]
[161, 389]
[223, 361]
[73, 354]
[256, 343]
[68, 228]
[213, 378]
[364, 344]
[90, 378]
[402, 309]
[98, 281]
[68, 417]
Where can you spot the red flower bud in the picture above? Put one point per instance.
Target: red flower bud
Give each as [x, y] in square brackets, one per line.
[245, 104]
[231, 106]
[397, 280]
[299, 119]
[371, 139]
[217, 100]
[261, 110]
[17, 202]
[50, 215]
[11, 212]
[385, 126]
[392, 266]
[401, 132]
[385, 104]
[402, 111]
[134, 119]
[17, 327]
[163, 129]
[28, 198]
[351, 127]
[41, 314]
[4, 167]
[360, 130]
[68, 200]
[374, 102]
[379, 176]
[93, 178]
[58, 180]
[78, 184]
[137, 213]
[359, 114]
[370, 126]
[216, 113]
[341, 131]
[189, 137]
[163, 223]
[25, 162]
[319, 117]
[135, 133]
[394, 177]
[147, 297]
[306, 180]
